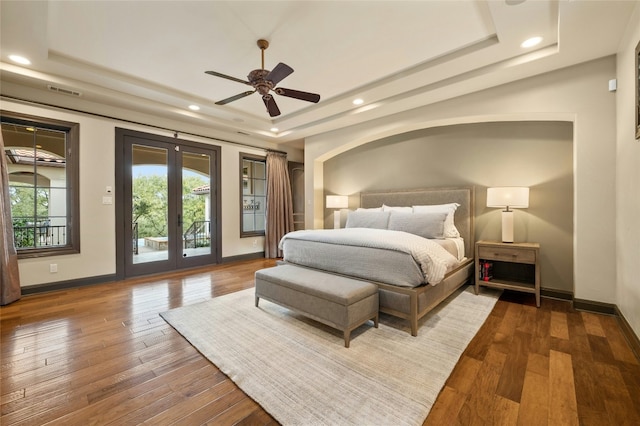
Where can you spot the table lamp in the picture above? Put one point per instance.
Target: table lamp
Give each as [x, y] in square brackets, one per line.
[515, 197]
[337, 202]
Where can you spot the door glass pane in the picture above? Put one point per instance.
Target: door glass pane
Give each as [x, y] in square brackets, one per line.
[150, 207]
[196, 204]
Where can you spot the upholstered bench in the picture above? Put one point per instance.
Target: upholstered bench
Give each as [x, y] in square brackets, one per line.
[337, 301]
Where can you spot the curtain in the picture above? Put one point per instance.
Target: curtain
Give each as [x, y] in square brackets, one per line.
[9, 275]
[279, 212]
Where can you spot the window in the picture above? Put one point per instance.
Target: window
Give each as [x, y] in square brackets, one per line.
[42, 164]
[253, 194]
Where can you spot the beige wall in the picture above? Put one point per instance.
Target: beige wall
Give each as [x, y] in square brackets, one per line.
[578, 95]
[534, 154]
[628, 181]
[97, 228]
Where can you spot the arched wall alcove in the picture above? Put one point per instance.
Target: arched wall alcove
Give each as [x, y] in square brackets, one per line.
[536, 154]
[577, 95]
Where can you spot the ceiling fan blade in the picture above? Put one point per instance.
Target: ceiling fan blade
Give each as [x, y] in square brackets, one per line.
[228, 77]
[279, 73]
[235, 98]
[271, 105]
[297, 94]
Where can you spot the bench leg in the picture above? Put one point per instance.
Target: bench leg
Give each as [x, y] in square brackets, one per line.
[375, 320]
[257, 300]
[347, 338]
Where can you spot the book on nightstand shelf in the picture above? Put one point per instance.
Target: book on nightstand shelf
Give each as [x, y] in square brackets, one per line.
[486, 270]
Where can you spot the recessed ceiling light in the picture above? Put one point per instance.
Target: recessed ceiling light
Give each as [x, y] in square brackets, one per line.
[274, 129]
[194, 107]
[20, 59]
[358, 101]
[531, 42]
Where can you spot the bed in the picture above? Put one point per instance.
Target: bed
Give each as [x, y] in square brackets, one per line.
[405, 290]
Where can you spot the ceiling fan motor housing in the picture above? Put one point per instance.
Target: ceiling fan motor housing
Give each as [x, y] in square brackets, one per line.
[256, 78]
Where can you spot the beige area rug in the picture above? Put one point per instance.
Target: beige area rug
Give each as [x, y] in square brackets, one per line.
[299, 371]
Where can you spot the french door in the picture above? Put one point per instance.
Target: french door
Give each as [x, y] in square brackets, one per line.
[168, 212]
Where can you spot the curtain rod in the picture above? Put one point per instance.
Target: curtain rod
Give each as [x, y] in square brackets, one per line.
[175, 132]
[276, 151]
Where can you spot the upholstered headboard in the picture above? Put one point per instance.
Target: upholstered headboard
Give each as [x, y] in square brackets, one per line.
[463, 219]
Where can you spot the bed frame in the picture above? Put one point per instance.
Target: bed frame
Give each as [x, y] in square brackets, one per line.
[414, 303]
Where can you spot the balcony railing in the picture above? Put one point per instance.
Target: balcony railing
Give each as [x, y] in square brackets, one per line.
[38, 234]
[198, 234]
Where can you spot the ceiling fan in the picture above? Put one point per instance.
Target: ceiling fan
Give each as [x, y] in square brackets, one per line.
[263, 81]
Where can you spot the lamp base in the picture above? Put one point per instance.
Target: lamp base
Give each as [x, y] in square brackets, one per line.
[507, 226]
[336, 219]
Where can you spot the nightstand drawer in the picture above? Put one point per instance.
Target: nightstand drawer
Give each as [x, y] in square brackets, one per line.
[507, 254]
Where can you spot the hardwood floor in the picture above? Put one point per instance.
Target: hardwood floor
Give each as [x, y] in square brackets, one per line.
[102, 355]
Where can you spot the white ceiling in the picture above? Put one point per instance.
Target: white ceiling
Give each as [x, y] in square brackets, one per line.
[150, 56]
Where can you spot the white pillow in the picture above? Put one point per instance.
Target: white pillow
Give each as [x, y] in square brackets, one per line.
[386, 208]
[373, 209]
[367, 219]
[425, 225]
[450, 230]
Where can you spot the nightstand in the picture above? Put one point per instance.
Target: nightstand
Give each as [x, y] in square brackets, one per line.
[511, 266]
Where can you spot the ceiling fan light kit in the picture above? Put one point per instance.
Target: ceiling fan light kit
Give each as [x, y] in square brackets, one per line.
[264, 81]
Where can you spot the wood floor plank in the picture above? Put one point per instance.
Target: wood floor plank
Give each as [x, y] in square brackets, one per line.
[446, 407]
[559, 326]
[563, 408]
[512, 377]
[600, 349]
[182, 384]
[505, 411]
[579, 337]
[618, 343]
[534, 404]
[538, 364]
[588, 390]
[463, 376]
[222, 396]
[234, 414]
[592, 324]
[485, 336]
[479, 404]
[527, 322]
[615, 393]
[102, 354]
[631, 376]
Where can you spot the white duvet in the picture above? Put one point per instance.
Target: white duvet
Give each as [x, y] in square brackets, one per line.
[433, 259]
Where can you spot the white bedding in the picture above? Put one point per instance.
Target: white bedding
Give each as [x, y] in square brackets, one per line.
[434, 260]
[455, 246]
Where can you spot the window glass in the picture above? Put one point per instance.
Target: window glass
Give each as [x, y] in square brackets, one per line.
[40, 174]
[253, 186]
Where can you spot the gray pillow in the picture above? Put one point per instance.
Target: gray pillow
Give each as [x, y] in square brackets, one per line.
[367, 219]
[426, 225]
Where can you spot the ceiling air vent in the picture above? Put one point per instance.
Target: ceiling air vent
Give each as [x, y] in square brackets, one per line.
[63, 90]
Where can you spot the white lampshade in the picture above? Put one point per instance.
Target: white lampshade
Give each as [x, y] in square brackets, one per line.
[337, 201]
[515, 197]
